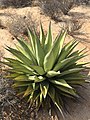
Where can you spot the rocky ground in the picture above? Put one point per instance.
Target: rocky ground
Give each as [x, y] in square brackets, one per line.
[13, 23]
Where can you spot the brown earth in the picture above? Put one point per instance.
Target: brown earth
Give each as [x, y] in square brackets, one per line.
[78, 23]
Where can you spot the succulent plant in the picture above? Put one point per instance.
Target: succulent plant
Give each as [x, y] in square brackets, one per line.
[45, 71]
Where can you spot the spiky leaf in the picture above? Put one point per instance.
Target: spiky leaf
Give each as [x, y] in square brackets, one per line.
[45, 72]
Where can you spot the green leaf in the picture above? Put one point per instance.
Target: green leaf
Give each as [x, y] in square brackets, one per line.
[44, 88]
[52, 55]
[73, 63]
[33, 78]
[6, 63]
[32, 40]
[38, 69]
[61, 82]
[62, 38]
[75, 53]
[48, 41]
[20, 67]
[39, 101]
[42, 36]
[13, 75]
[52, 74]
[67, 49]
[55, 98]
[81, 64]
[51, 92]
[27, 50]
[39, 51]
[36, 79]
[11, 60]
[21, 78]
[70, 78]
[20, 55]
[76, 82]
[21, 84]
[73, 75]
[59, 103]
[34, 96]
[63, 63]
[67, 90]
[19, 48]
[24, 70]
[13, 71]
[67, 95]
[28, 91]
[70, 71]
[41, 78]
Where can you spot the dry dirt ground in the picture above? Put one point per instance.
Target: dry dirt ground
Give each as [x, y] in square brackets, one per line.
[78, 23]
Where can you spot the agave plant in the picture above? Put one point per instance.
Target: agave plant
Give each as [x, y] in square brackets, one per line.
[44, 71]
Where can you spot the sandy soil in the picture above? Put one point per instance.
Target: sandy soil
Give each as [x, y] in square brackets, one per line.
[78, 111]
